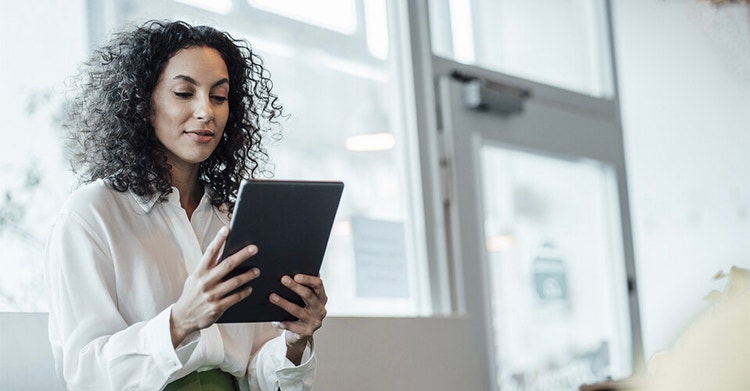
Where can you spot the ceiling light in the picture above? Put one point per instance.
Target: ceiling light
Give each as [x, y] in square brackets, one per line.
[382, 141]
[500, 243]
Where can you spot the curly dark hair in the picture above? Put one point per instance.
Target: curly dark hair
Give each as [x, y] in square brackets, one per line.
[109, 121]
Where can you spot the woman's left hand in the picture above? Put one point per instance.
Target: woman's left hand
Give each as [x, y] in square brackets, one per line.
[309, 318]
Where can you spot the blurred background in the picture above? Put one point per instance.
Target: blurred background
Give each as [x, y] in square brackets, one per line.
[564, 177]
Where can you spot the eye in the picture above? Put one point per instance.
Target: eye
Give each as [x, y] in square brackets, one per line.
[219, 99]
[183, 94]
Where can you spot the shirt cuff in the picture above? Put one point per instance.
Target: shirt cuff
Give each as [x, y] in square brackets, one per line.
[159, 343]
[271, 370]
[306, 355]
[289, 376]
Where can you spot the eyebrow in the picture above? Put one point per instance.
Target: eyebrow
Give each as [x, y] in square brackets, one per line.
[193, 81]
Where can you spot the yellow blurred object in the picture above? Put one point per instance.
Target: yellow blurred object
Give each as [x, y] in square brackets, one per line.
[714, 352]
[730, 1]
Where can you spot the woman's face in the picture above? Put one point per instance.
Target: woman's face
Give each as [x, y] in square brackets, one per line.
[190, 107]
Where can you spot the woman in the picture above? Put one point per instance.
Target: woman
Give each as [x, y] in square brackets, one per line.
[167, 121]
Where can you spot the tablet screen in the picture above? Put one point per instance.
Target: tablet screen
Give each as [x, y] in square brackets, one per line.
[290, 222]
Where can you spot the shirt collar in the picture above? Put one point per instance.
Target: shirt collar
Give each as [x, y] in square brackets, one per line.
[146, 203]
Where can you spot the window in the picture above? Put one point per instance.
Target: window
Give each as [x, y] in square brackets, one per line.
[337, 71]
[559, 43]
[336, 15]
[35, 173]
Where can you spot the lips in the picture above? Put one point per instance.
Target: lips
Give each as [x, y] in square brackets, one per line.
[200, 136]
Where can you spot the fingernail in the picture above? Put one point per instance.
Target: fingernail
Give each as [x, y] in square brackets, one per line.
[252, 249]
[274, 298]
[286, 280]
[223, 230]
[299, 278]
[256, 271]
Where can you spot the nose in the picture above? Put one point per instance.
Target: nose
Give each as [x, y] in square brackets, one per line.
[203, 110]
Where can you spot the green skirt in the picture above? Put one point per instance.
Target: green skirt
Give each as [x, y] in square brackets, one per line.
[213, 380]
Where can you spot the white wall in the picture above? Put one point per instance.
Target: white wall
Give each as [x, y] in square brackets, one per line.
[684, 74]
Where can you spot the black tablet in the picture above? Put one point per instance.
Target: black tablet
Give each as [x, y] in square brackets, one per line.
[290, 222]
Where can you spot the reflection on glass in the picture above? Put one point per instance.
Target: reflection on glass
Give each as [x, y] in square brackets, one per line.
[559, 306]
[560, 43]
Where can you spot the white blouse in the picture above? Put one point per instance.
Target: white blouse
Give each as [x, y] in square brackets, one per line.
[115, 265]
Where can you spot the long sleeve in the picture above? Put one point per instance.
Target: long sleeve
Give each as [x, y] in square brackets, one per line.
[271, 370]
[94, 346]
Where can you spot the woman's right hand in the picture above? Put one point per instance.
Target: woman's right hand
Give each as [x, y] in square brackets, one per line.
[205, 295]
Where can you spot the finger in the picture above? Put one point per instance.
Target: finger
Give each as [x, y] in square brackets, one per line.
[233, 299]
[232, 284]
[292, 308]
[315, 283]
[308, 321]
[309, 297]
[313, 309]
[212, 251]
[220, 271]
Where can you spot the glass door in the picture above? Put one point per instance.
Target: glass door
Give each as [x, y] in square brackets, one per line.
[553, 252]
[536, 199]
